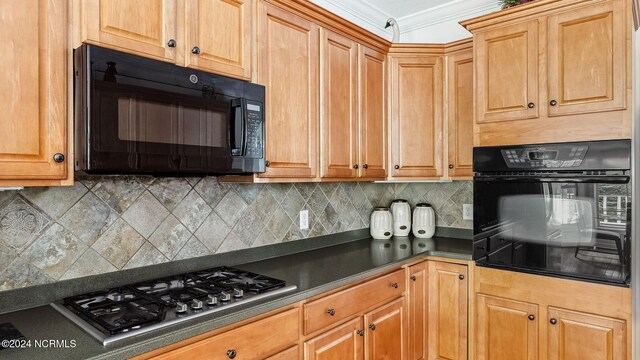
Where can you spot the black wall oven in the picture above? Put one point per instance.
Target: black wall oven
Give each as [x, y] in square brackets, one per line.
[142, 116]
[555, 209]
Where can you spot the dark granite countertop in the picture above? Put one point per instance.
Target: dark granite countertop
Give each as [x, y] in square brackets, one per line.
[314, 271]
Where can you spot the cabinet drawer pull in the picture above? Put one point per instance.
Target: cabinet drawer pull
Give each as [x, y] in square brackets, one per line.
[450, 166]
[267, 163]
[361, 332]
[531, 317]
[58, 157]
[171, 43]
[553, 103]
[413, 277]
[355, 166]
[397, 167]
[331, 312]
[365, 166]
[461, 277]
[232, 354]
[553, 321]
[531, 105]
[195, 50]
[372, 327]
[394, 285]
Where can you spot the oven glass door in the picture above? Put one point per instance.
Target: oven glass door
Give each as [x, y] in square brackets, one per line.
[576, 227]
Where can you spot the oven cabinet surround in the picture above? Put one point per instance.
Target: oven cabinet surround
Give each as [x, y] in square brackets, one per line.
[35, 149]
[210, 35]
[524, 316]
[553, 71]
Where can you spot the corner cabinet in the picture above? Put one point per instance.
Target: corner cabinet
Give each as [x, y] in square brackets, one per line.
[34, 81]
[459, 111]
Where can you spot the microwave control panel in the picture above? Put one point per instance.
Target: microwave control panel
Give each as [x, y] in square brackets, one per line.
[255, 131]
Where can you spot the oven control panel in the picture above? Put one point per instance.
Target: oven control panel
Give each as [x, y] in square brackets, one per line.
[545, 157]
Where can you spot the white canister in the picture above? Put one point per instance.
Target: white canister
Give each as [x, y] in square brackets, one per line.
[381, 224]
[424, 221]
[401, 212]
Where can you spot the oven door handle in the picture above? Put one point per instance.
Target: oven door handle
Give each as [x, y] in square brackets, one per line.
[578, 179]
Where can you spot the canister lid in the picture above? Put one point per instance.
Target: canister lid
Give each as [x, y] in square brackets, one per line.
[423, 205]
[381, 208]
[399, 201]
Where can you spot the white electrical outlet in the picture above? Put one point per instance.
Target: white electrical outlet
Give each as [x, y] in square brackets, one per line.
[467, 212]
[304, 219]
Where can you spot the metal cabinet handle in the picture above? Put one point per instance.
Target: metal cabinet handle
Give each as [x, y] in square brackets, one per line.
[58, 157]
[365, 166]
[531, 317]
[331, 312]
[372, 327]
[461, 277]
[267, 163]
[413, 277]
[361, 332]
[394, 285]
[171, 43]
[450, 166]
[195, 50]
[553, 103]
[232, 353]
[553, 321]
[355, 166]
[397, 167]
[531, 105]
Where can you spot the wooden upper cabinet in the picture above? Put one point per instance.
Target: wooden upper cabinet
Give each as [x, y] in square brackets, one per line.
[460, 114]
[218, 36]
[507, 73]
[416, 117]
[575, 335]
[343, 342]
[338, 117]
[288, 67]
[33, 84]
[373, 114]
[144, 27]
[505, 329]
[447, 311]
[587, 62]
[417, 302]
[386, 332]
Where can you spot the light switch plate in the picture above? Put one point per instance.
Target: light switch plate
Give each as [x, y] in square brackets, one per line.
[304, 219]
[467, 211]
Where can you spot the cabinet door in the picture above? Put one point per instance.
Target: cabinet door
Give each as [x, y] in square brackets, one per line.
[342, 343]
[289, 354]
[373, 114]
[288, 67]
[386, 327]
[447, 311]
[460, 114]
[506, 329]
[579, 336]
[416, 117]
[339, 118]
[418, 311]
[218, 36]
[587, 59]
[506, 61]
[33, 82]
[142, 27]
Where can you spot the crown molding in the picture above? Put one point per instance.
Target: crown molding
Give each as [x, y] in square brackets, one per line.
[455, 10]
[361, 12]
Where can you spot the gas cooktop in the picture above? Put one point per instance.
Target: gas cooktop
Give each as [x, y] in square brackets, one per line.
[118, 313]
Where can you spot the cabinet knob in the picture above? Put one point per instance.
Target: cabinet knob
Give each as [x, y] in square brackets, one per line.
[58, 157]
[531, 317]
[267, 163]
[372, 326]
[450, 166]
[355, 166]
[232, 354]
[394, 285]
[531, 105]
[331, 312]
[397, 167]
[553, 321]
[553, 103]
[413, 277]
[361, 332]
[461, 277]
[365, 166]
[171, 43]
[195, 50]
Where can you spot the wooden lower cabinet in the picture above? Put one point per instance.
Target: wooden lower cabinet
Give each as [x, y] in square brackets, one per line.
[417, 303]
[345, 342]
[289, 354]
[386, 332]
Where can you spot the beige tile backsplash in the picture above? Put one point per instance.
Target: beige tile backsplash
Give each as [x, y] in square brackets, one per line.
[109, 223]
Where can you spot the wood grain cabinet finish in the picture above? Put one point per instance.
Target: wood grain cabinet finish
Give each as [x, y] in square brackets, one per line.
[587, 62]
[289, 354]
[460, 115]
[447, 311]
[218, 36]
[507, 73]
[386, 332]
[345, 342]
[417, 304]
[574, 335]
[288, 67]
[33, 84]
[416, 117]
[339, 101]
[143, 27]
[506, 329]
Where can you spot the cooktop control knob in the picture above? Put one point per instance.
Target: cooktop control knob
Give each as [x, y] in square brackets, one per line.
[237, 293]
[212, 300]
[181, 307]
[225, 296]
[196, 304]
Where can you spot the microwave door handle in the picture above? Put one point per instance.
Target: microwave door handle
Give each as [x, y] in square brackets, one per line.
[237, 128]
[575, 180]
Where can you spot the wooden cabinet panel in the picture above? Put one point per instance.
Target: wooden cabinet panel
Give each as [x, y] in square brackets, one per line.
[253, 341]
[506, 329]
[587, 59]
[418, 297]
[460, 114]
[289, 354]
[507, 73]
[579, 336]
[373, 114]
[338, 118]
[33, 84]
[221, 30]
[341, 343]
[142, 26]
[447, 311]
[288, 67]
[386, 332]
[416, 117]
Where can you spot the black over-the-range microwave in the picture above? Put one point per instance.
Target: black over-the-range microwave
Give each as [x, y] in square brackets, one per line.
[135, 115]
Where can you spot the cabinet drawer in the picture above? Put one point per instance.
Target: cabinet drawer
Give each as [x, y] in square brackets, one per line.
[352, 301]
[253, 341]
